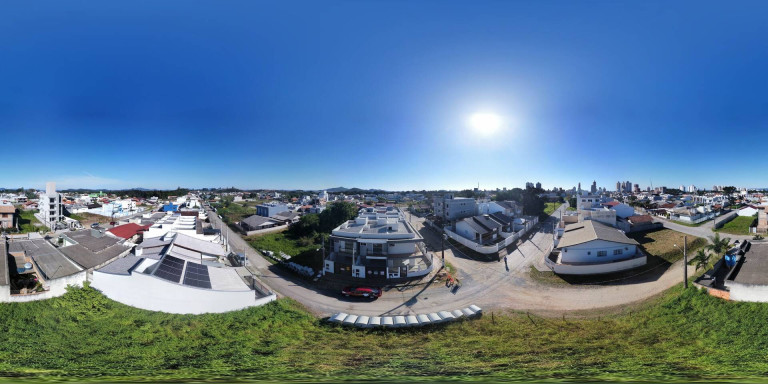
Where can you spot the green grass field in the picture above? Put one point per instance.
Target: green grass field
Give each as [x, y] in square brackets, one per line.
[303, 249]
[661, 243]
[551, 207]
[683, 335]
[27, 221]
[738, 226]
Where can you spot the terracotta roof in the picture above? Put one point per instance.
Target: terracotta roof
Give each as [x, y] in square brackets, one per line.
[668, 205]
[611, 204]
[640, 219]
[129, 230]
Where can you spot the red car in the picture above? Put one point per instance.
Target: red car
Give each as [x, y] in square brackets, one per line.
[362, 292]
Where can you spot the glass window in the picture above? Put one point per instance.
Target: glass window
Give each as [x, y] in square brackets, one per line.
[617, 252]
[602, 253]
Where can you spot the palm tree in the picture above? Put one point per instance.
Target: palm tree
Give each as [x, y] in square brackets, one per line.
[701, 260]
[718, 246]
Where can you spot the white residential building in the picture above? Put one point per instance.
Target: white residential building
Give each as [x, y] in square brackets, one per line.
[590, 247]
[451, 208]
[51, 209]
[378, 245]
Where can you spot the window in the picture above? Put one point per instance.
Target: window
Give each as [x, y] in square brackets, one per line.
[617, 251]
[602, 253]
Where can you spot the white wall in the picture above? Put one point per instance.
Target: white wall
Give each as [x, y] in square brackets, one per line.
[624, 210]
[398, 248]
[748, 292]
[58, 287]
[466, 231]
[587, 252]
[153, 294]
[596, 269]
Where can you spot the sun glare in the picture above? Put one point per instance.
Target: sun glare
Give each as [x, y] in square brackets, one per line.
[485, 123]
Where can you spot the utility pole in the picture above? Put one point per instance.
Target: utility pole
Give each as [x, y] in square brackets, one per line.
[685, 261]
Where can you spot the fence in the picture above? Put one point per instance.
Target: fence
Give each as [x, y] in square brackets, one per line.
[488, 249]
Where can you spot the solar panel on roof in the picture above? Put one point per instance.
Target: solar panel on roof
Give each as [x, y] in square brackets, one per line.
[170, 269]
[197, 276]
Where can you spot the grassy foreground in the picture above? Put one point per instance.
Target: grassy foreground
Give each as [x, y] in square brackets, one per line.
[83, 335]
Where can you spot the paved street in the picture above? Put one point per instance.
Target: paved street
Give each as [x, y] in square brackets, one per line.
[488, 284]
[704, 230]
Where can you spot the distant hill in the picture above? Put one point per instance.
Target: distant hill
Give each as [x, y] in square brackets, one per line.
[353, 190]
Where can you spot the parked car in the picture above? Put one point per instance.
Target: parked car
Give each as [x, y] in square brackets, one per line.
[112, 223]
[95, 225]
[362, 292]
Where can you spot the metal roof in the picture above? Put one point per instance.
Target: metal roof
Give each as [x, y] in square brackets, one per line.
[122, 266]
[591, 230]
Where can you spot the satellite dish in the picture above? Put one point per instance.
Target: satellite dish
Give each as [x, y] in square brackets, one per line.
[27, 265]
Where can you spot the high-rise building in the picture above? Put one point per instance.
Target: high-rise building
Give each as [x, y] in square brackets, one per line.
[692, 188]
[593, 189]
[528, 185]
[637, 188]
[618, 186]
[682, 188]
[538, 185]
[51, 209]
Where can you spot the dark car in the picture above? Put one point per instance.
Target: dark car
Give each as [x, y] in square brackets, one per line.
[361, 292]
[95, 225]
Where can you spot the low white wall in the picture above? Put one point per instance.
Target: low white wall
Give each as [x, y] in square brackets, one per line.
[748, 292]
[279, 228]
[58, 287]
[153, 294]
[596, 269]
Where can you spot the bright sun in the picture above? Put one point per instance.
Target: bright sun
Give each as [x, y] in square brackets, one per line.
[485, 123]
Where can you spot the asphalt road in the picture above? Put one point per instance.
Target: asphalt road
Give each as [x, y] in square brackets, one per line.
[489, 284]
[704, 230]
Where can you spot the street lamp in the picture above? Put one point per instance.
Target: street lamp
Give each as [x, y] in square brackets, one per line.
[685, 261]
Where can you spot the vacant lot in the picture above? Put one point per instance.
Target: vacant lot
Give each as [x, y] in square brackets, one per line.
[551, 207]
[28, 222]
[86, 219]
[235, 212]
[661, 243]
[738, 226]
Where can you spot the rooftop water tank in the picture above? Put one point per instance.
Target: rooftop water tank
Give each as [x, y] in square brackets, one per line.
[27, 265]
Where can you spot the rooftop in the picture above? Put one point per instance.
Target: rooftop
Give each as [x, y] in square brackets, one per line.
[122, 266]
[50, 262]
[590, 230]
[754, 269]
[128, 231]
[92, 250]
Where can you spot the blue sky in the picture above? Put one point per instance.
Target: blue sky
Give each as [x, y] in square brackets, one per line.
[377, 94]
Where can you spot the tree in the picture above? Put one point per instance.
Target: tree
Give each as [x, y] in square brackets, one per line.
[466, 193]
[718, 245]
[335, 214]
[515, 194]
[701, 260]
[729, 190]
[308, 225]
[572, 202]
[532, 203]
